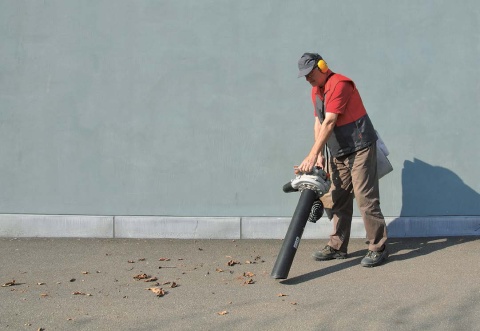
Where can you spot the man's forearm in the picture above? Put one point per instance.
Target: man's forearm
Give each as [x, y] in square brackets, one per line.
[322, 132]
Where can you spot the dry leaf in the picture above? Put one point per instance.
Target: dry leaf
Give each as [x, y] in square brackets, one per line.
[248, 274]
[164, 259]
[249, 281]
[293, 303]
[12, 283]
[151, 279]
[159, 292]
[142, 259]
[43, 295]
[85, 272]
[40, 283]
[173, 285]
[223, 312]
[131, 261]
[79, 293]
[218, 270]
[141, 276]
[281, 295]
[232, 263]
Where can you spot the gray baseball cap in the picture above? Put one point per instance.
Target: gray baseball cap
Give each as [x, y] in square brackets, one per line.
[307, 62]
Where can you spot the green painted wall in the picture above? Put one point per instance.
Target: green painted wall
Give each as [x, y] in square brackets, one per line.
[193, 108]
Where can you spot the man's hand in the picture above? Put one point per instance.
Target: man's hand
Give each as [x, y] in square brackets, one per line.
[307, 165]
[320, 161]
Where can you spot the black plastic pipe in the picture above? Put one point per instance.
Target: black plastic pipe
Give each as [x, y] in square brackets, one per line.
[294, 234]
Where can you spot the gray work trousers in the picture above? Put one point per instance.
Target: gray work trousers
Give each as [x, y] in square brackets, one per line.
[355, 176]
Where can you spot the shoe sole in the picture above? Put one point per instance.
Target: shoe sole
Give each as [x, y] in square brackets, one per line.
[337, 257]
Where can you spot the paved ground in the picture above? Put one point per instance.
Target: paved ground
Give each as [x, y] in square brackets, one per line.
[427, 284]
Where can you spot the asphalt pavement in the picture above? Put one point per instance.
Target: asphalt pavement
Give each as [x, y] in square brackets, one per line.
[186, 284]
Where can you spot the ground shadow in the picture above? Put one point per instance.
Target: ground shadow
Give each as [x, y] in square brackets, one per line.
[400, 249]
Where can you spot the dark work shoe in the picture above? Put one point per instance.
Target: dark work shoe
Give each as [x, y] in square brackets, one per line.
[316, 212]
[373, 259]
[329, 253]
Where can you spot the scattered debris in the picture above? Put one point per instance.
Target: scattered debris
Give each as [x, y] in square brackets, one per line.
[281, 295]
[249, 281]
[151, 279]
[12, 283]
[231, 263]
[141, 276]
[248, 274]
[164, 259]
[222, 312]
[159, 292]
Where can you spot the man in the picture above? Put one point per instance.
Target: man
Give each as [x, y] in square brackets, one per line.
[343, 125]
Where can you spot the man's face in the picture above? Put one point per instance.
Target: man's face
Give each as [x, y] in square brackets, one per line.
[316, 77]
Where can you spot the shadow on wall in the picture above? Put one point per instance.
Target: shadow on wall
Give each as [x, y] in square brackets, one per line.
[435, 191]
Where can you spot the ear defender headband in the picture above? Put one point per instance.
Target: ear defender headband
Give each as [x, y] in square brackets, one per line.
[322, 65]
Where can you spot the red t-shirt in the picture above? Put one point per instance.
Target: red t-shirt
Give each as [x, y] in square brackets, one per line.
[339, 91]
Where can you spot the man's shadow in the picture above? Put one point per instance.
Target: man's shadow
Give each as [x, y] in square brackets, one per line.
[435, 191]
[426, 191]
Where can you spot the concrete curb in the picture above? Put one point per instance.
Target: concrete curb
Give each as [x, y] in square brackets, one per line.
[23, 225]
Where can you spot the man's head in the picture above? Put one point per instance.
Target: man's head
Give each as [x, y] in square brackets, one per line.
[314, 68]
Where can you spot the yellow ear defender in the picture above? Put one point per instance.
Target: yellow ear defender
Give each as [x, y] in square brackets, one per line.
[322, 65]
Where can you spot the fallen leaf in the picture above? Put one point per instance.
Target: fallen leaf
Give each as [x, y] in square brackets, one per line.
[43, 295]
[85, 272]
[78, 293]
[249, 281]
[40, 283]
[232, 263]
[218, 270]
[72, 280]
[248, 274]
[130, 261]
[151, 279]
[281, 295]
[159, 292]
[141, 276]
[173, 285]
[223, 312]
[12, 283]
[164, 259]
[142, 259]
[293, 303]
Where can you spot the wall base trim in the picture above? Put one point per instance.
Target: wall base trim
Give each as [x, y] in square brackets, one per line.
[81, 226]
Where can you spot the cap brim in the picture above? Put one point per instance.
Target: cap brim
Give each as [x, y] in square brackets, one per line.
[305, 71]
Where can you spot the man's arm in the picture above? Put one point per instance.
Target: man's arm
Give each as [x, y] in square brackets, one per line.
[322, 132]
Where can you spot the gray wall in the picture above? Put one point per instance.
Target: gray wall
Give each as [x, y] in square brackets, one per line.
[193, 108]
